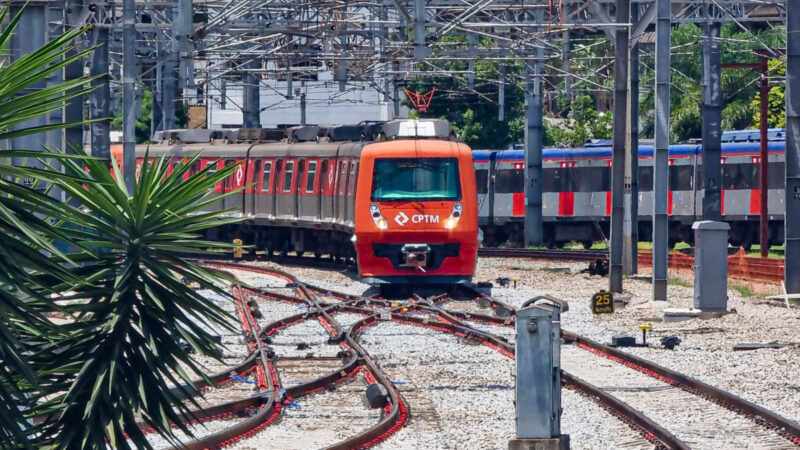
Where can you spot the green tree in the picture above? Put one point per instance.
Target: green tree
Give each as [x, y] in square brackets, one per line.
[777, 99]
[143, 119]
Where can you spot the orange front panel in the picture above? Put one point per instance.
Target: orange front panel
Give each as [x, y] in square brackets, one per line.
[417, 221]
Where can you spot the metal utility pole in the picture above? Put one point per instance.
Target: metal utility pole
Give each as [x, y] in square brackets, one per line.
[791, 266]
[129, 92]
[712, 121]
[631, 227]
[30, 36]
[99, 99]
[501, 95]
[421, 51]
[661, 169]
[302, 103]
[533, 153]
[73, 109]
[618, 156]
[251, 104]
[764, 163]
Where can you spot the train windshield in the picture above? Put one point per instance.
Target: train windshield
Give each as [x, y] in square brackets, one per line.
[415, 179]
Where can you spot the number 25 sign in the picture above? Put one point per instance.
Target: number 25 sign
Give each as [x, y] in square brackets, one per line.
[603, 303]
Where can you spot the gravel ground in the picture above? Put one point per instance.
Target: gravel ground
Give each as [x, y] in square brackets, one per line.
[699, 423]
[706, 349]
[465, 399]
[317, 421]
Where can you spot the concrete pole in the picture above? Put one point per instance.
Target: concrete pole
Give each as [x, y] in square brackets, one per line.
[661, 169]
[792, 217]
[251, 102]
[169, 91]
[618, 154]
[182, 27]
[472, 41]
[421, 51]
[29, 36]
[73, 109]
[157, 117]
[631, 227]
[129, 92]
[712, 121]
[534, 133]
[99, 99]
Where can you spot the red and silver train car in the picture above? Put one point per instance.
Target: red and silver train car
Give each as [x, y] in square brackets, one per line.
[398, 197]
[577, 192]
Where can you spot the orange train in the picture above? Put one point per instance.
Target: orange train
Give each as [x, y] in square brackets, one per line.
[398, 196]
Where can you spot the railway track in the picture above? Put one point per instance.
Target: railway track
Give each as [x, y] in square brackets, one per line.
[769, 270]
[282, 379]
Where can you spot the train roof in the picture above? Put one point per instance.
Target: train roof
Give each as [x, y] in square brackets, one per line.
[644, 151]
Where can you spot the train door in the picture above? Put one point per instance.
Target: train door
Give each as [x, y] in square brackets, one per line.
[276, 186]
[234, 182]
[323, 199]
[297, 188]
[351, 192]
[310, 199]
[341, 189]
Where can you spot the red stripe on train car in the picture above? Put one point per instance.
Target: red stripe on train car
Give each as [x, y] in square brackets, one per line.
[518, 204]
[755, 194]
[669, 193]
[722, 190]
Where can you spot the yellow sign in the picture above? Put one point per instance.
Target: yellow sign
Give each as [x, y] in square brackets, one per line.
[603, 303]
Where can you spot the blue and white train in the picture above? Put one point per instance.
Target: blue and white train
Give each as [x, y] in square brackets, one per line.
[577, 191]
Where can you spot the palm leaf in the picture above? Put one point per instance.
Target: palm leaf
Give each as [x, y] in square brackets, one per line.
[137, 307]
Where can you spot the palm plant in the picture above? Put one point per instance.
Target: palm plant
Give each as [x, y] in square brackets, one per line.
[26, 215]
[136, 304]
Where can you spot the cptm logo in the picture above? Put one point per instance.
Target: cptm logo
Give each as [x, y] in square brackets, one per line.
[401, 218]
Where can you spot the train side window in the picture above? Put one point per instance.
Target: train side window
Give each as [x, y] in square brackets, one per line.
[342, 177]
[591, 179]
[548, 180]
[730, 175]
[680, 178]
[776, 178]
[287, 176]
[311, 174]
[324, 176]
[508, 181]
[482, 180]
[351, 182]
[266, 171]
[645, 178]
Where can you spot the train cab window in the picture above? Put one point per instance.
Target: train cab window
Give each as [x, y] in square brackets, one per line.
[266, 171]
[287, 176]
[311, 175]
[507, 181]
[415, 179]
[482, 180]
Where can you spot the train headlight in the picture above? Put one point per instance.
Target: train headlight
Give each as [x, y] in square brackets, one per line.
[377, 217]
[452, 221]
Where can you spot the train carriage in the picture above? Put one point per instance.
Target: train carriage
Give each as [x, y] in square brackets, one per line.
[577, 199]
[312, 189]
